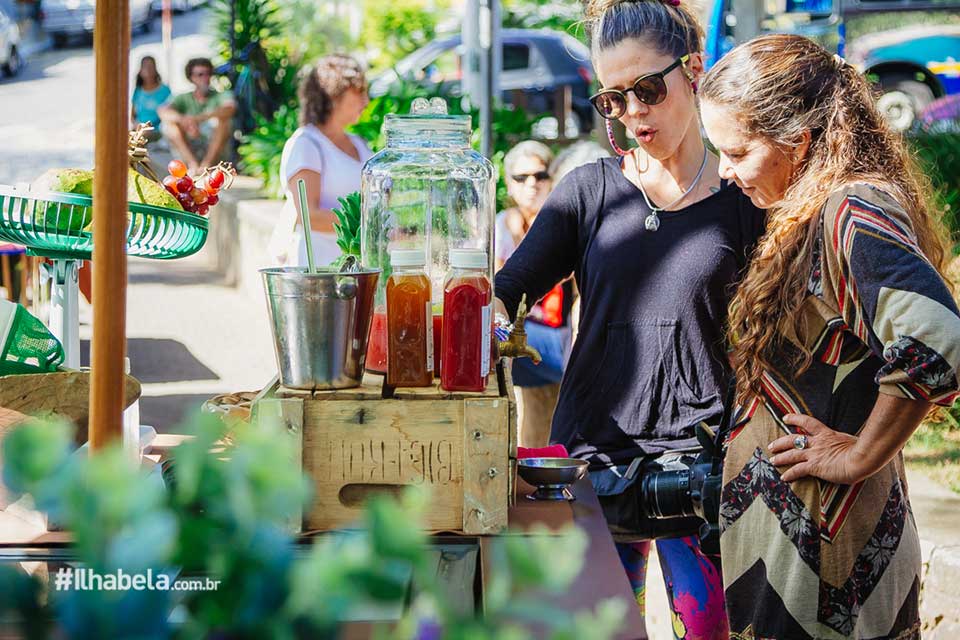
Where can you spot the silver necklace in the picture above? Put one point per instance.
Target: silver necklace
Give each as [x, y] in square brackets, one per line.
[652, 222]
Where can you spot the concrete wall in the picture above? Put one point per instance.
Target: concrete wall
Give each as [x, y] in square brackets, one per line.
[256, 220]
[224, 241]
[940, 597]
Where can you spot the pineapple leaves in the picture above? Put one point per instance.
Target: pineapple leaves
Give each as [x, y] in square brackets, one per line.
[348, 223]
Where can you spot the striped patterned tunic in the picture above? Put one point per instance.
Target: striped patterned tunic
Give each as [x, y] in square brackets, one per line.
[811, 559]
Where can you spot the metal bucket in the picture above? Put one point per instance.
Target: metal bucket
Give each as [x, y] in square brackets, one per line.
[321, 322]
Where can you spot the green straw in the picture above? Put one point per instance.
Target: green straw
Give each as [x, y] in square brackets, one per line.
[305, 218]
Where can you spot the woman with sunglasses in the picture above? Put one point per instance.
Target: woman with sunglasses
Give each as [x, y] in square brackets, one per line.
[528, 178]
[656, 241]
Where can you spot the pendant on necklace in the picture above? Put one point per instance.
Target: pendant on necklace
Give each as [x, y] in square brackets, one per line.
[652, 222]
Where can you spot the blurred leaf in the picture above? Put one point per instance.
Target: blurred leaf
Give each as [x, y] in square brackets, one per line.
[23, 595]
[394, 527]
[546, 559]
[32, 452]
[255, 21]
[192, 459]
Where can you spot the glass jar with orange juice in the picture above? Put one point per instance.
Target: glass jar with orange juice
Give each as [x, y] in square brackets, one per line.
[410, 359]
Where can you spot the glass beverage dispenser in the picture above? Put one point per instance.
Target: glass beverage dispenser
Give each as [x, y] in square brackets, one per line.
[429, 191]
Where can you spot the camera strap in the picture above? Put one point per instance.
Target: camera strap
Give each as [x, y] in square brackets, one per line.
[728, 422]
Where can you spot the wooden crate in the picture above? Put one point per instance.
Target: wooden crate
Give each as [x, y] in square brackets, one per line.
[357, 442]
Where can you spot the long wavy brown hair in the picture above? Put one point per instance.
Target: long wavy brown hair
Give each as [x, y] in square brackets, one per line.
[779, 87]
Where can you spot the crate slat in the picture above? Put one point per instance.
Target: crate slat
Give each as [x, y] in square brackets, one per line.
[486, 465]
[354, 444]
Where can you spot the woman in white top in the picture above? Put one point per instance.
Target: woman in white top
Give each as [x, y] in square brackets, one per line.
[332, 97]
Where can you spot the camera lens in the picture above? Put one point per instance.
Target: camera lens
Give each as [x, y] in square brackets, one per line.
[667, 494]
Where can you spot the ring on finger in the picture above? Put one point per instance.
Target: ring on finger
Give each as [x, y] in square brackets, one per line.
[800, 442]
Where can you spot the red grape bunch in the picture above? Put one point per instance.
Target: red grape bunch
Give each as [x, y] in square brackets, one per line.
[197, 196]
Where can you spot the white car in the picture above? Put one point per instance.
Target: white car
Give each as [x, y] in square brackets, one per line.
[65, 18]
[10, 59]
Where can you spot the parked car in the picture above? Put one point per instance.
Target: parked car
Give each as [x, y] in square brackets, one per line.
[10, 59]
[535, 63]
[63, 19]
[907, 48]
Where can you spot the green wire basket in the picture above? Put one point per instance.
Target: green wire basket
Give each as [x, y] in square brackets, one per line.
[57, 225]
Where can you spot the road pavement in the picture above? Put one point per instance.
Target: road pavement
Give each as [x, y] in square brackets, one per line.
[47, 111]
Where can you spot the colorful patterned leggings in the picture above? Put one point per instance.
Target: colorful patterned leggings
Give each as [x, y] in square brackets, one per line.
[694, 585]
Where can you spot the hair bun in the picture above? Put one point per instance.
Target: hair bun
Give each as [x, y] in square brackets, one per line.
[596, 8]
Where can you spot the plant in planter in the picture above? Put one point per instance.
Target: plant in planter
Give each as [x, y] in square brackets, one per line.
[222, 515]
[260, 154]
[939, 155]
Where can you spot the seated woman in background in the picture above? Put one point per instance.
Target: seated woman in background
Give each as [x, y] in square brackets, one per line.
[321, 152]
[148, 95]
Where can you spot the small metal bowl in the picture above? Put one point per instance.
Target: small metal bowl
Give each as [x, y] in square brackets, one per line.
[551, 476]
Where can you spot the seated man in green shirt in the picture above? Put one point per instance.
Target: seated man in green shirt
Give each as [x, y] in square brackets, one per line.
[199, 123]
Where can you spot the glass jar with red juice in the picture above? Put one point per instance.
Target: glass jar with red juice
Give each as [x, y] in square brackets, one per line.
[467, 322]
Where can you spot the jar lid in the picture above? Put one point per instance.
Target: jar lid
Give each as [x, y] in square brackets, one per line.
[468, 259]
[408, 258]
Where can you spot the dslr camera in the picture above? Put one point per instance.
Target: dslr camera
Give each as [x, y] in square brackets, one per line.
[677, 492]
[687, 487]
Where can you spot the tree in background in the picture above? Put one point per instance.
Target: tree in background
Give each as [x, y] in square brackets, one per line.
[290, 33]
[313, 29]
[545, 14]
[254, 21]
[392, 30]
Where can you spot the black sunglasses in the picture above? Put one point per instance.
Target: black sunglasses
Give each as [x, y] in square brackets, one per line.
[540, 176]
[650, 89]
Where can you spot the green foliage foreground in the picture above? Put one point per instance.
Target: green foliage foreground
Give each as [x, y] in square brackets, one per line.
[939, 155]
[224, 516]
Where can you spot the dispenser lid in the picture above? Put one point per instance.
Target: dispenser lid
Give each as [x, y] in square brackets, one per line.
[408, 258]
[426, 120]
[468, 259]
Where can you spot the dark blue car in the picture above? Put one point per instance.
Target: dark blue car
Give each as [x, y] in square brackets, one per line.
[536, 62]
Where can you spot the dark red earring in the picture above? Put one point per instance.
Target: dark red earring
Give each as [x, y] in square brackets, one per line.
[613, 141]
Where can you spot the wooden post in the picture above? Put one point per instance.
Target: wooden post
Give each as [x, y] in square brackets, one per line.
[111, 47]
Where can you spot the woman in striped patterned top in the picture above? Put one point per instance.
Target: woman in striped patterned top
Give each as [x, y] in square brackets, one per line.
[844, 334]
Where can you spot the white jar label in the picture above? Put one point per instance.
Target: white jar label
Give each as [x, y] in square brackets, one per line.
[429, 321]
[485, 340]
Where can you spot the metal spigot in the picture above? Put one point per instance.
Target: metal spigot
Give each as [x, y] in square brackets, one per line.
[516, 345]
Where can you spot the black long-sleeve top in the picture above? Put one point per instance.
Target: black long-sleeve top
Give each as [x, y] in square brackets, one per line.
[649, 361]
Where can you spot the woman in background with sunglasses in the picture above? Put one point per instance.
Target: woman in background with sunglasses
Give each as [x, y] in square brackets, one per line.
[526, 169]
[657, 242]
